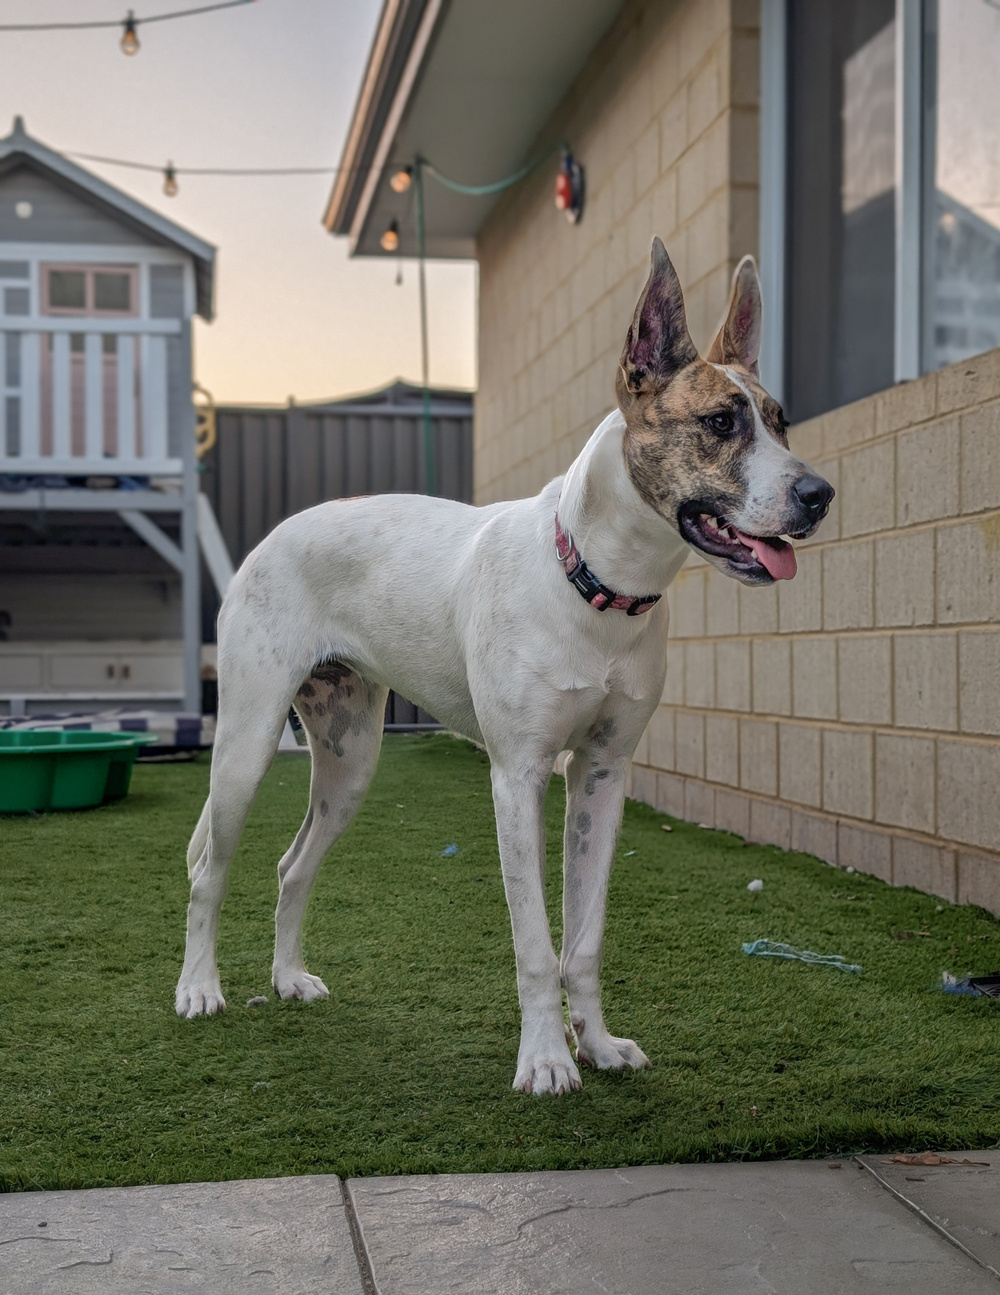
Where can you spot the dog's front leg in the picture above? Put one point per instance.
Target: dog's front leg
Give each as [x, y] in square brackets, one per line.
[544, 1063]
[595, 793]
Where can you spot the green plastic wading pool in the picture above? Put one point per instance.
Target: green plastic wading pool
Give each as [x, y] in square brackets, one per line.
[65, 769]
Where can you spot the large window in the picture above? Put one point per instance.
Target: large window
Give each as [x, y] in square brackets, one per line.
[882, 193]
[962, 165]
[841, 193]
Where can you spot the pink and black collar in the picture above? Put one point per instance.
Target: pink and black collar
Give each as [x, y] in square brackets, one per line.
[590, 588]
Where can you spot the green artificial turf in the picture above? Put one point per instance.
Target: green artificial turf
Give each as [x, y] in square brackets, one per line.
[407, 1068]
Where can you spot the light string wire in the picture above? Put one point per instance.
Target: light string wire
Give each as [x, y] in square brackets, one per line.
[470, 190]
[118, 22]
[208, 170]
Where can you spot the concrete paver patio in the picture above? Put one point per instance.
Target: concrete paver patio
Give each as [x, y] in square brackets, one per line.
[784, 1228]
[287, 1235]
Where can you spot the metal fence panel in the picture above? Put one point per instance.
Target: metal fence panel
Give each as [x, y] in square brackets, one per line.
[268, 464]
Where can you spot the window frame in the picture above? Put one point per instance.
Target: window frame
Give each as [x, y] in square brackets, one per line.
[89, 269]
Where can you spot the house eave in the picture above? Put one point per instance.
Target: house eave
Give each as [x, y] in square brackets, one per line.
[468, 86]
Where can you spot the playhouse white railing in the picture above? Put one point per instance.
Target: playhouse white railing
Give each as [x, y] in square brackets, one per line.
[85, 397]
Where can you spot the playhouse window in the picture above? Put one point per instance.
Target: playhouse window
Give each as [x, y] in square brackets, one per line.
[90, 290]
[113, 292]
[67, 290]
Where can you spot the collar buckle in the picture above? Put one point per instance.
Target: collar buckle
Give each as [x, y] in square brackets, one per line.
[587, 584]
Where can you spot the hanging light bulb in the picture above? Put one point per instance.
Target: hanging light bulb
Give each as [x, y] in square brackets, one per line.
[129, 41]
[170, 185]
[390, 239]
[400, 182]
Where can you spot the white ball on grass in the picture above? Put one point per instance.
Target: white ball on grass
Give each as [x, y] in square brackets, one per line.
[755, 886]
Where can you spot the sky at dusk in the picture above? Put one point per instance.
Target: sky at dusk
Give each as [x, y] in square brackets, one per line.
[268, 84]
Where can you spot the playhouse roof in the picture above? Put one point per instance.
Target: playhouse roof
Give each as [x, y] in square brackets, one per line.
[19, 149]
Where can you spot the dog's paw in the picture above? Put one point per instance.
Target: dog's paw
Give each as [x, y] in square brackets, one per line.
[547, 1076]
[608, 1053]
[199, 999]
[298, 984]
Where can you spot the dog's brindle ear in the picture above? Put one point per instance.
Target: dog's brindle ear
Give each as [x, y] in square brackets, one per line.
[738, 340]
[658, 343]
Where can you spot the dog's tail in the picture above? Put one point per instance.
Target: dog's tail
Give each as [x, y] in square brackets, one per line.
[198, 838]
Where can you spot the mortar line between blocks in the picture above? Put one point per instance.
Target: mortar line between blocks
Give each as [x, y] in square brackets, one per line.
[926, 1218]
[365, 1271]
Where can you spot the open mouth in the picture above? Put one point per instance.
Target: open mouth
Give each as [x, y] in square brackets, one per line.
[767, 557]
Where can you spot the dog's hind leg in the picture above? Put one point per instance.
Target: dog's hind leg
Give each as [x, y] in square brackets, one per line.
[595, 793]
[342, 715]
[245, 743]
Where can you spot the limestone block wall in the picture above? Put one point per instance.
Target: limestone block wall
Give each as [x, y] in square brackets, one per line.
[854, 712]
[664, 117]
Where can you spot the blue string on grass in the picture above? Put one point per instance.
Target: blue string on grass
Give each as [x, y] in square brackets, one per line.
[769, 949]
[974, 986]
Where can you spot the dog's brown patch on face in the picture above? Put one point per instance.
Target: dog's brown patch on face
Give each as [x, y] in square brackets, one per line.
[673, 454]
[770, 411]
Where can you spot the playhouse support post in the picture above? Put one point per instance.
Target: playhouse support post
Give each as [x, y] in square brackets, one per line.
[191, 604]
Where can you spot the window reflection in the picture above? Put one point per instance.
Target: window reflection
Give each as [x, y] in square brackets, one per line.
[962, 220]
[841, 192]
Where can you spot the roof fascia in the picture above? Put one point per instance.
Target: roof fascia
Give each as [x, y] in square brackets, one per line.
[398, 52]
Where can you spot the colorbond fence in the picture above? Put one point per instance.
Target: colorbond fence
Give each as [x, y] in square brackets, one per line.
[270, 463]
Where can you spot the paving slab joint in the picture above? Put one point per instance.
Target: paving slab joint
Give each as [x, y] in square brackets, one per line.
[365, 1271]
[926, 1218]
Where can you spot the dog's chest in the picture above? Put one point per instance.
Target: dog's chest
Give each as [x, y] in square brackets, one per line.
[628, 673]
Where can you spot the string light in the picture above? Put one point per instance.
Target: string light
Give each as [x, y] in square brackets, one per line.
[170, 185]
[390, 239]
[401, 181]
[129, 41]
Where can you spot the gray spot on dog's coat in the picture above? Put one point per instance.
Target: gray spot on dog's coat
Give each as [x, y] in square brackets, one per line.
[601, 733]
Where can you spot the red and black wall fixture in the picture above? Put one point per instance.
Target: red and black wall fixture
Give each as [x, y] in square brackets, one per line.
[570, 188]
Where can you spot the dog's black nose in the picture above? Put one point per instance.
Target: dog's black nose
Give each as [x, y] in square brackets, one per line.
[814, 494]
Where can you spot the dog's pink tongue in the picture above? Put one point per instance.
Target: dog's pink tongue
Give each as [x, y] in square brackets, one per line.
[777, 556]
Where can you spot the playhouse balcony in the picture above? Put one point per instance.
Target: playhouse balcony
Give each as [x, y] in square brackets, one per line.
[88, 397]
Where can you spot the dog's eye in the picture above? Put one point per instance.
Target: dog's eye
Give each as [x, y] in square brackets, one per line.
[720, 422]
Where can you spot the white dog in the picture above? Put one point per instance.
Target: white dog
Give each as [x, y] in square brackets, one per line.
[531, 627]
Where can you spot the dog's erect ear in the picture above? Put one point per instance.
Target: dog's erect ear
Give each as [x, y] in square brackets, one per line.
[738, 340]
[658, 343]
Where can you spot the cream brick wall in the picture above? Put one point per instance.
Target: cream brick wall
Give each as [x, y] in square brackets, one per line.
[664, 118]
[854, 713]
